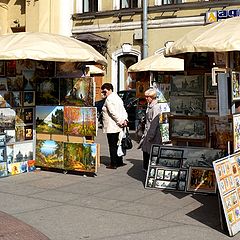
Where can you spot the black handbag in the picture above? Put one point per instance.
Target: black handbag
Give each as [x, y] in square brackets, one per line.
[126, 140]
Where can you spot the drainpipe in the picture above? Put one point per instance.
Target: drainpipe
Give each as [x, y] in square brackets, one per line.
[145, 39]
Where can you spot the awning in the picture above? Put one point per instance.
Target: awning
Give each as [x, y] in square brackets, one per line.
[48, 47]
[216, 37]
[158, 62]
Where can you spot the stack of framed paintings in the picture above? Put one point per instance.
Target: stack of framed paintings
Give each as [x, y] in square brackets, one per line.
[187, 169]
[227, 171]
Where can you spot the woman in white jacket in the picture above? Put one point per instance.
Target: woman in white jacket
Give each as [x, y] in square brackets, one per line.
[114, 119]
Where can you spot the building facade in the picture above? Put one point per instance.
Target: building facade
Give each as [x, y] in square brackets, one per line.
[115, 27]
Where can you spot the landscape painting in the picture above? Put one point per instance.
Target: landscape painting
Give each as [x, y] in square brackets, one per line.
[7, 118]
[49, 153]
[3, 169]
[80, 121]
[23, 151]
[70, 69]
[80, 157]
[80, 94]
[49, 119]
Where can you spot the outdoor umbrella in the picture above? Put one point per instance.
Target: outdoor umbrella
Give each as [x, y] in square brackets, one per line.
[158, 62]
[47, 47]
[216, 37]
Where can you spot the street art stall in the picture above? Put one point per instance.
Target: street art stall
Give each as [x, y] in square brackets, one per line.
[47, 118]
[204, 121]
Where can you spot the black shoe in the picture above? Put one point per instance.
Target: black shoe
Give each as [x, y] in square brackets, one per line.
[111, 167]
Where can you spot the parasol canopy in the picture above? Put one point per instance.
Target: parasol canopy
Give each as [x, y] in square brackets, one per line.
[216, 37]
[47, 47]
[158, 62]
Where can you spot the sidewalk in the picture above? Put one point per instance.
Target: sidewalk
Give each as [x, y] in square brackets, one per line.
[114, 205]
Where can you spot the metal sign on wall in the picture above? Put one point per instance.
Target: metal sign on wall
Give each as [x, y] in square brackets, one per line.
[214, 16]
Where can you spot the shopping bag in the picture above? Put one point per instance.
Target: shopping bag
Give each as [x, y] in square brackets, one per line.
[126, 140]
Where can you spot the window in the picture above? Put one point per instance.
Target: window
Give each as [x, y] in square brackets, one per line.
[168, 2]
[90, 5]
[128, 3]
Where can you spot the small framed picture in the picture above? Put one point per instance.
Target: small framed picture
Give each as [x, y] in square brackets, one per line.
[236, 132]
[201, 180]
[28, 132]
[155, 150]
[209, 89]
[235, 83]
[28, 115]
[28, 98]
[211, 106]
[16, 99]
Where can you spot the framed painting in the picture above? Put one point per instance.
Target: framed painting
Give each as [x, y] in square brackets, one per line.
[48, 91]
[2, 68]
[29, 82]
[201, 180]
[11, 68]
[80, 121]
[20, 135]
[171, 153]
[169, 162]
[155, 150]
[236, 132]
[187, 85]
[49, 153]
[70, 69]
[5, 99]
[211, 105]
[80, 157]
[16, 99]
[209, 89]
[3, 169]
[45, 68]
[28, 115]
[15, 83]
[186, 105]
[3, 84]
[23, 151]
[49, 119]
[77, 92]
[220, 59]
[2, 139]
[25, 64]
[10, 136]
[7, 118]
[28, 132]
[166, 179]
[235, 85]
[29, 98]
[188, 128]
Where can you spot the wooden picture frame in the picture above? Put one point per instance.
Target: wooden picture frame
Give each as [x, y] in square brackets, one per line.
[236, 132]
[211, 105]
[235, 86]
[188, 128]
[201, 180]
[209, 89]
[29, 98]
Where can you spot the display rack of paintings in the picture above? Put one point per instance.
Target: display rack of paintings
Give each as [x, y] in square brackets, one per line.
[227, 171]
[173, 168]
[3, 159]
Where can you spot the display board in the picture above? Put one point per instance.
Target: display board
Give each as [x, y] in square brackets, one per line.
[227, 171]
[188, 169]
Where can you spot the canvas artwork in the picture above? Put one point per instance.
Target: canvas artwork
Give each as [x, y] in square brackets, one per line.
[209, 89]
[28, 98]
[2, 139]
[10, 136]
[5, 99]
[164, 128]
[14, 168]
[25, 64]
[80, 121]
[11, 68]
[200, 157]
[28, 132]
[49, 153]
[186, 105]
[3, 154]
[141, 87]
[19, 133]
[220, 59]
[235, 85]
[19, 119]
[187, 85]
[80, 157]
[23, 151]
[188, 128]
[47, 91]
[3, 169]
[3, 84]
[49, 119]
[169, 162]
[211, 105]
[45, 68]
[70, 69]
[31, 165]
[7, 118]
[28, 115]
[201, 180]
[221, 131]
[236, 132]
[15, 83]
[16, 99]
[171, 152]
[29, 83]
[10, 154]
[2, 68]
[79, 93]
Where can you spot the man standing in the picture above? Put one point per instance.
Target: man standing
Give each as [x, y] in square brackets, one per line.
[114, 119]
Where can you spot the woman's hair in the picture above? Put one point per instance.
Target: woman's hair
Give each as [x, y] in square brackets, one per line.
[107, 86]
[151, 93]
